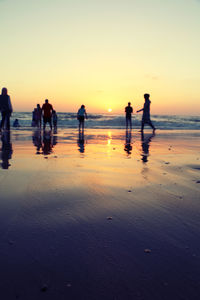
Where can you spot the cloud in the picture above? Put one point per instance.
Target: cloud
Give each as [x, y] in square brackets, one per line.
[153, 77]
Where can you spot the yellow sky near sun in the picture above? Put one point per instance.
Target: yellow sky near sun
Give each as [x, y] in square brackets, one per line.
[101, 54]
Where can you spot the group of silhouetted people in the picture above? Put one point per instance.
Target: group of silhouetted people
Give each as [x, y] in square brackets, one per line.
[47, 112]
[145, 117]
[49, 115]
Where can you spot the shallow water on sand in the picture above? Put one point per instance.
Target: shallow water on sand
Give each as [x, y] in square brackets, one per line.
[107, 214]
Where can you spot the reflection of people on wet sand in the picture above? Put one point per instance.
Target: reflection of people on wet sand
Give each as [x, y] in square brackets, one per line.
[37, 141]
[44, 144]
[128, 146]
[6, 150]
[81, 142]
[146, 113]
[49, 141]
[145, 145]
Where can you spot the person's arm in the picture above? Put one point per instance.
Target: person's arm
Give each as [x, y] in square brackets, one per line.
[85, 114]
[10, 105]
[140, 110]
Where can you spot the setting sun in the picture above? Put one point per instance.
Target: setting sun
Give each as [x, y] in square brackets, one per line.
[109, 109]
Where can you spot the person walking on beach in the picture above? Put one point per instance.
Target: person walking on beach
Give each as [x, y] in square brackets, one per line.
[128, 111]
[5, 108]
[81, 115]
[38, 116]
[47, 109]
[146, 113]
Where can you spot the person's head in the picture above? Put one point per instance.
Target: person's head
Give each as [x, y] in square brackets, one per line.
[4, 91]
[129, 104]
[46, 101]
[38, 105]
[146, 96]
[82, 106]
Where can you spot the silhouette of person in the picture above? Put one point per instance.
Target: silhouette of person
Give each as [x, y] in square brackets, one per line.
[145, 146]
[128, 146]
[6, 150]
[146, 113]
[5, 108]
[34, 117]
[129, 111]
[55, 119]
[16, 123]
[38, 116]
[37, 141]
[47, 109]
[81, 115]
[81, 142]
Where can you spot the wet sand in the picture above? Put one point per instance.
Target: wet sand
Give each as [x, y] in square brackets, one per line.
[104, 215]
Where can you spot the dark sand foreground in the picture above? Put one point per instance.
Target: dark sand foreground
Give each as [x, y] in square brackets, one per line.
[100, 216]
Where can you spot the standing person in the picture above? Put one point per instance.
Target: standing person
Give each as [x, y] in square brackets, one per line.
[34, 117]
[5, 108]
[47, 109]
[81, 114]
[129, 111]
[55, 119]
[146, 113]
[38, 116]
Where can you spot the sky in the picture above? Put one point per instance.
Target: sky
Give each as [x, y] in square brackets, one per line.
[101, 54]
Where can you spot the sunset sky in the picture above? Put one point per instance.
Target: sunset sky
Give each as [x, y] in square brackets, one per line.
[101, 53]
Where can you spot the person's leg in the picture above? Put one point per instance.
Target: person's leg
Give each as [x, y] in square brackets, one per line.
[3, 119]
[50, 123]
[142, 126]
[79, 125]
[44, 123]
[126, 123]
[130, 121]
[8, 121]
[150, 124]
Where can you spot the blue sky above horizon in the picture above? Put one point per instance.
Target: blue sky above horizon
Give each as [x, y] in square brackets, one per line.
[101, 53]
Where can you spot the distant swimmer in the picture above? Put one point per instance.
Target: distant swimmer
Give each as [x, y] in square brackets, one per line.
[129, 111]
[47, 110]
[81, 115]
[146, 113]
[5, 108]
[16, 123]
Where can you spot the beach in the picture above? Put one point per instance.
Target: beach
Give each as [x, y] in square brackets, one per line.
[107, 214]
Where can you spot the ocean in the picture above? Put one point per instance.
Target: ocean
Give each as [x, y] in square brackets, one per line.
[109, 121]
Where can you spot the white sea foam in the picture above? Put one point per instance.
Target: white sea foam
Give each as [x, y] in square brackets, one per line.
[68, 120]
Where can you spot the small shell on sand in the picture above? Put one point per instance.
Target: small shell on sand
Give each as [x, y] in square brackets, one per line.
[147, 250]
[109, 218]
